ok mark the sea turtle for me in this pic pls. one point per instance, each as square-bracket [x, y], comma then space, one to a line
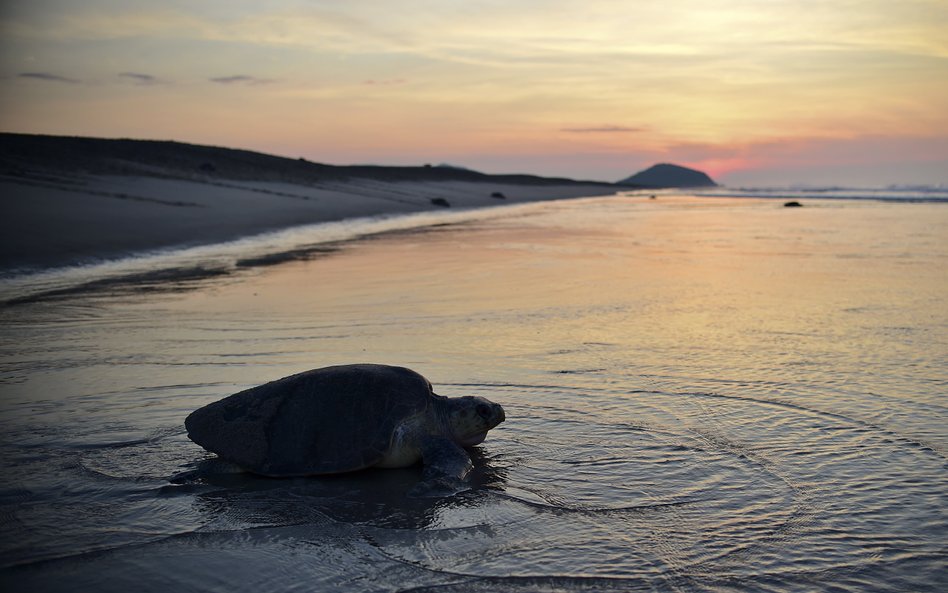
[345, 418]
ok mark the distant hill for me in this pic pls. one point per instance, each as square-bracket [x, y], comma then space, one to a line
[455, 167]
[665, 175]
[178, 160]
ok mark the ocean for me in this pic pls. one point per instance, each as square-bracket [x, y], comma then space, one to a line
[703, 393]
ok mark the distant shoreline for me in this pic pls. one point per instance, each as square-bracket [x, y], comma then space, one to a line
[68, 201]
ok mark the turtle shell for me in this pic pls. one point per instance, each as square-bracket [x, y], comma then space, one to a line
[324, 421]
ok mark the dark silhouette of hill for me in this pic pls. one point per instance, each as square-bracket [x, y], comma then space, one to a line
[170, 159]
[665, 176]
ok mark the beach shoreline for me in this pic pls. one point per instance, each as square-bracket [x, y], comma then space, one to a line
[72, 201]
[114, 217]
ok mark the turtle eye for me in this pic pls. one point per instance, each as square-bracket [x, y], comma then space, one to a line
[483, 411]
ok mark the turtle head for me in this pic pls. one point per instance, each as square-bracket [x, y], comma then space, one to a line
[469, 418]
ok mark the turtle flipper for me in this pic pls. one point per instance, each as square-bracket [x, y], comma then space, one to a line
[446, 467]
[444, 458]
[206, 468]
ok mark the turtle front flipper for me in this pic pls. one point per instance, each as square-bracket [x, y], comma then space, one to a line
[446, 468]
[444, 458]
[205, 469]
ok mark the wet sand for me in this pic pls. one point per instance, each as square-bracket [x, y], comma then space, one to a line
[703, 396]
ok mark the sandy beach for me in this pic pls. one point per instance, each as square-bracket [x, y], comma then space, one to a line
[67, 201]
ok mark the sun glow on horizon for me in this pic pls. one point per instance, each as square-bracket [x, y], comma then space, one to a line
[592, 90]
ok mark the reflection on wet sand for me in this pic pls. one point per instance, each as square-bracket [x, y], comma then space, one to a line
[700, 396]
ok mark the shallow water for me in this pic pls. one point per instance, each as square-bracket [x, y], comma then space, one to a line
[701, 395]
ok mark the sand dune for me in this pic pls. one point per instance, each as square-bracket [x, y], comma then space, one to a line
[70, 200]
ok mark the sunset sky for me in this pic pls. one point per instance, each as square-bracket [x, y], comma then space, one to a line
[751, 91]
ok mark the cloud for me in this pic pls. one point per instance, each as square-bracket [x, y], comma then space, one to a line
[240, 79]
[48, 77]
[386, 82]
[603, 130]
[140, 79]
